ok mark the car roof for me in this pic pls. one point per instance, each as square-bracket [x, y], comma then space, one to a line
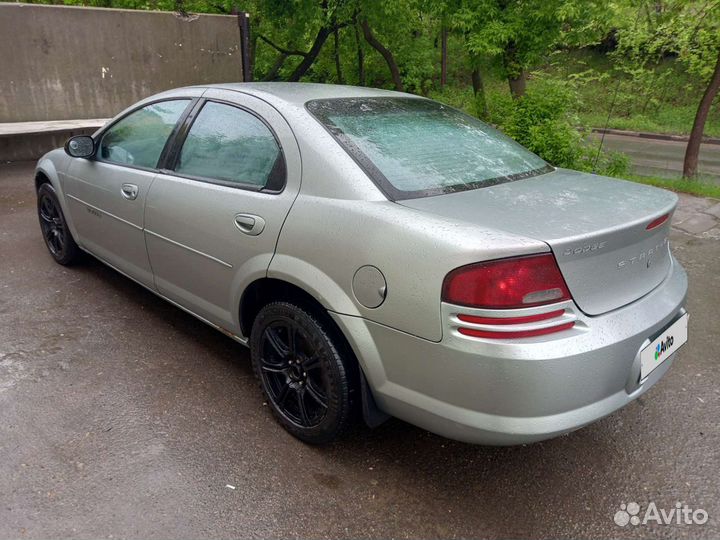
[295, 93]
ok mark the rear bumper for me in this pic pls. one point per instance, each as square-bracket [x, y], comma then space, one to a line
[520, 391]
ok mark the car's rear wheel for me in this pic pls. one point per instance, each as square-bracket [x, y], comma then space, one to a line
[306, 380]
[57, 235]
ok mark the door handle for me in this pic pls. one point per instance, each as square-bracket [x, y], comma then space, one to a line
[129, 191]
[249, 224]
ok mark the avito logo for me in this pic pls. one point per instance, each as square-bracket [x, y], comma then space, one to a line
[663, 346]
[682, 514]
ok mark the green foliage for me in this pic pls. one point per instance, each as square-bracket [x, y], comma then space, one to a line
[544, 121]
[523, 32]
[460, 97]
[664, 57]
[694, 187]
[663, 99]
[666, 118]
[686, 29]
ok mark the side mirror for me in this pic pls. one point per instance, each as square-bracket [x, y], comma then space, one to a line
[81, 146]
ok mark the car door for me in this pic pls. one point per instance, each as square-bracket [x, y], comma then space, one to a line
[107, 193]
[214, 216]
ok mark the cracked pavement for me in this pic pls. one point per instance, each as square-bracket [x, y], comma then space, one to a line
[698, 216]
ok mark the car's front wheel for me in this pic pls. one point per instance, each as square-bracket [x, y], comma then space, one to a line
[305, 378]
[55, 231]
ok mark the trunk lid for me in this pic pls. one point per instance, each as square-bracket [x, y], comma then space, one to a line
[595, 226]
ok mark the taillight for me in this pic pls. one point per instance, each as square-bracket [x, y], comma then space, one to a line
[512, 320]
[517, 282]
[655, 223]
[490, 334]
[501, 289]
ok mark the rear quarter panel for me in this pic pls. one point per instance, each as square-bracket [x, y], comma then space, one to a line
[326, 240]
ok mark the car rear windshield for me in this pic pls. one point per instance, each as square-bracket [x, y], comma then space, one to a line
[413, 147]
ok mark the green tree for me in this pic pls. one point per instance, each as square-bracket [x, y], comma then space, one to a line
[686, 30]
[521, 32]
[699, 49]
[298, 29]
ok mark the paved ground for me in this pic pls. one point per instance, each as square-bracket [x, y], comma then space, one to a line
[121, 416]
[650, 157]
[698, 216]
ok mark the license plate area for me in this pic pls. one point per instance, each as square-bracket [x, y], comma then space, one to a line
[665, 344]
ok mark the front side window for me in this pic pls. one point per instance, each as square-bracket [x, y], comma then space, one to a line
[416, 147]
[232, 146]
[139, 138]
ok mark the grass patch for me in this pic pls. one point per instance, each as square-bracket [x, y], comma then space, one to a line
[664, 102]
[672, 120]
[679, 185]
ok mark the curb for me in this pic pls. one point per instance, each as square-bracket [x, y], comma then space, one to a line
[654, 136]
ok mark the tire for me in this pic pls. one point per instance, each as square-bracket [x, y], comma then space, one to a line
[306, 381]
[57, 235]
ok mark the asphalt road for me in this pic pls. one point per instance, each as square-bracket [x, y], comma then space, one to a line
[650, 157]
[121, 416]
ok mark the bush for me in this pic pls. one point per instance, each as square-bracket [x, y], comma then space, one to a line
[542, 121]
[609, 163]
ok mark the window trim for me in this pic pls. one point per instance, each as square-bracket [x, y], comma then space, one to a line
[168, 167]
[168, 142]
[380, 180]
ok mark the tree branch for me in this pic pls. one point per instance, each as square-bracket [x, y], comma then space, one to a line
[310, 56]
[282, 50]
[384, 51]
[275, 69]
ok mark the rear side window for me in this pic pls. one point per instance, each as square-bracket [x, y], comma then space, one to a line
[232, 146]
[416, 147]
[139, 138]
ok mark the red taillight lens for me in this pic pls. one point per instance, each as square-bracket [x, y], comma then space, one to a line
[511, 320]
[655, 223]
[507, 283]
[472, 332]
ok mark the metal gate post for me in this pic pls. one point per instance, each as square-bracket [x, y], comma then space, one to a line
[244, 24]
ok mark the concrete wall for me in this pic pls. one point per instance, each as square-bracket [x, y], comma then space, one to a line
[62, 62]
[30, 146]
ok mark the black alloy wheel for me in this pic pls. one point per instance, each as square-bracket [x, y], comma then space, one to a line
[54, 228]
[304, 378]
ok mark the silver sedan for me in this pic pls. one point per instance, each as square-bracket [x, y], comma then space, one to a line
[381, 255]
